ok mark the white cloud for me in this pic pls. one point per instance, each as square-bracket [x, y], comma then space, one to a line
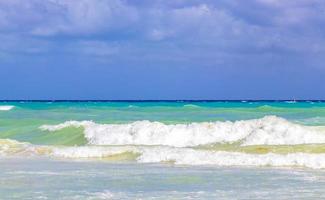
[299, 12]
[200, 21]
[197, 29]
[50, 17]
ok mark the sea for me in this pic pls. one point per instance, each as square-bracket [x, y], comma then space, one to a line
[162, 150]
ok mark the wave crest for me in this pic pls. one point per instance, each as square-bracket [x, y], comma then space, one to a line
[269, 130]
[163, 154]
[6, 108]
[181, 156]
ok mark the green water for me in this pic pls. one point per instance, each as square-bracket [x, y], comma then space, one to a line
[162, 150]
[23, 121]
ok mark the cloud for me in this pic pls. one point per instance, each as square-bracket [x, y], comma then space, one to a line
[185, 31]
[179, 22]
[52, 17]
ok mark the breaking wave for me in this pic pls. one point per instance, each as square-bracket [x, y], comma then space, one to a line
[188, 156]
[6, 108]
[269, 130]
[163, 154]
[222, 158]
[269, 141]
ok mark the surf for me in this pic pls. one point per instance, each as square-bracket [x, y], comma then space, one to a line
[269, 130]
[6, 108]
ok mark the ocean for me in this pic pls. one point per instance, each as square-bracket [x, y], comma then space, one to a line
[162, 150]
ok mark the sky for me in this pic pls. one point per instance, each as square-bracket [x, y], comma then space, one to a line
[162, 49]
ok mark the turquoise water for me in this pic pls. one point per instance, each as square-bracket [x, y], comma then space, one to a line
[165, 149]
[22, 123]
[164, 111]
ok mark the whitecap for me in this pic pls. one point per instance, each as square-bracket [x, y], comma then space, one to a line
[182, 156]
[6, 108]
[269, 130]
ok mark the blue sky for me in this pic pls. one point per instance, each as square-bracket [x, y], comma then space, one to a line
[162, 49]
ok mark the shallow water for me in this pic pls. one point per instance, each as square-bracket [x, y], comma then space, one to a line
[54, 179]
[159, 150]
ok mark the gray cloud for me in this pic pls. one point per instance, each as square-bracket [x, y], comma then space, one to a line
[220, 32]
[52, 17]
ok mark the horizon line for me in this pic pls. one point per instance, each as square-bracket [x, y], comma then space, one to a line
[157, 100]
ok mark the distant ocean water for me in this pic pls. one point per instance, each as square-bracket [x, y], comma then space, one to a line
[182, 140]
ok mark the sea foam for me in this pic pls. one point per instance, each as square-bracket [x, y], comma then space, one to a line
[6, 108]
[269, 130]
[163, 154]
[188, 156]
[185, 156]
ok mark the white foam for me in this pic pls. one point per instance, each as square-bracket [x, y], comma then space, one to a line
[75, 124]
[102, 195]
[184, 156]
[6, 108]
[91, 151]
[270, 130]
[293, 101]
[158, 154]
[191, 105]
[12, 147]
[188, 156]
